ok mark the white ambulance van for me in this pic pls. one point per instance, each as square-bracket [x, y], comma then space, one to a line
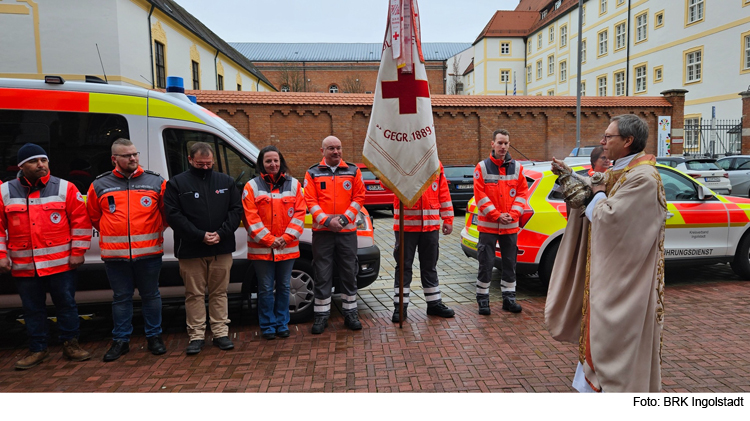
[76, 123]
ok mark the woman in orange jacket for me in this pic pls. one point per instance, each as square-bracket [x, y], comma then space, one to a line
[275, 217]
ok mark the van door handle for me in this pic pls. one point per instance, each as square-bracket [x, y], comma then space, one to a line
[669, 215]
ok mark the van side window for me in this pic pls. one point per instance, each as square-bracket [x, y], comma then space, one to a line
[78, 144]
[677, 187]
[177, 144]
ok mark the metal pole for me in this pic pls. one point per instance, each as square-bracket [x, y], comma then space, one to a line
[401, 264]
[578, 77]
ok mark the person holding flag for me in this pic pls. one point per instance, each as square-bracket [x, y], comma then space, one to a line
[400, 146]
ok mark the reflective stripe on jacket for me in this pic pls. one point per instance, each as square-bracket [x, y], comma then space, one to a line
[434, 205]
[273, 211]
[499, 187]
[46, 225]
[129, 214]
[328, 194]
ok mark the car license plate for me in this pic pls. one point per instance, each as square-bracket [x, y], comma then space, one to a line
[464, 186]
[712, 179]
[375, 187]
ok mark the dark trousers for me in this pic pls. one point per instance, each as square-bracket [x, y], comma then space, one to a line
[486, 258]
[33, 292]
[428, 245]
[124, 276]
[339, 249]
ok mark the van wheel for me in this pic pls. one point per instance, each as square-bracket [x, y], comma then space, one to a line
[301, 294]
[547, 262]
[741, 263]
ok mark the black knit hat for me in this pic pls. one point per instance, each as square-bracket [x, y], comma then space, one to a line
[30, 151]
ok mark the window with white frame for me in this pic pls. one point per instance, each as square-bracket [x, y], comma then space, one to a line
[528, 73]
[539, 41]
[658, 74]
[695, 11]
[603, 42]
[583, 51]
[747, 52]
[544, 13]
[539, 69]
[620, 2]
[333, 89]
[640, 79]
[563, 71]
[551, 92]
[659, 20]
[551, 34]
[619, 83]
[563, 36]
[529, 46]
[693, 62]
[692, 133]
[602, 7]
[551, 65]
[504, 76]
[284, 88]
[583, 87]
[620, 32]
[505, 48]
[641, 27]
[583, 18]
[602, 85]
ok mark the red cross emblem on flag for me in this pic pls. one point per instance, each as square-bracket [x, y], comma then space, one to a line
[407, 89]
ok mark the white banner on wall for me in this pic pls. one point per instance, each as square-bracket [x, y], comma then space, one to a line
[665, 136]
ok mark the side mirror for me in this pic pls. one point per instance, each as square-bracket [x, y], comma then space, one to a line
[704, 193]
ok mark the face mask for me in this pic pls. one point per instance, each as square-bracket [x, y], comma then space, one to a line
[200, 172]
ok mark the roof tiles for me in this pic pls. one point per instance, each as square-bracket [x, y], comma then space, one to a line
[275, 52]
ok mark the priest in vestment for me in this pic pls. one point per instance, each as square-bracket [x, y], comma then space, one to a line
[606, 291]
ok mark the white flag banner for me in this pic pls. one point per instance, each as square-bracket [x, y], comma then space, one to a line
[400, 147]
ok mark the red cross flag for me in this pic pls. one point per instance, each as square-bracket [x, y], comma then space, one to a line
[400, 146]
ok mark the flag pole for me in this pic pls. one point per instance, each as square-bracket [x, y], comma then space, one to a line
[400, 264]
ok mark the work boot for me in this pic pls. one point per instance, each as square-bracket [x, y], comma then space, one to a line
[33, 360]
[321, 321]
[224, 343]
[194, 347]
[510, 304]
[440, 309]
[115, 351]
[351, 321]
[484, 307]
[395, 318]
[156, 345]
[74, 352]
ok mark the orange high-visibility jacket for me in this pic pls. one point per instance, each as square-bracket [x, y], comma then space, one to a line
[46, 224]
[328, 194]
[499, 187]
[434, 205]
[271, 211]
[129, 214]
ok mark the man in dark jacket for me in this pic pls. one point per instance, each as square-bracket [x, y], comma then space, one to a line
[204, 209]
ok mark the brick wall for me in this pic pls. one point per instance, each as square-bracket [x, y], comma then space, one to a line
[541, 127]
[322, 75]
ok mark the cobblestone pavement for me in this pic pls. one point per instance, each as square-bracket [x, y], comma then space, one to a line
[706, 344]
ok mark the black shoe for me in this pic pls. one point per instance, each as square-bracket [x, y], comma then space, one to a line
[283, 334]
[395, 318]
[441, 310]
[195, 347]
[156, 345]
[510, 304]
[320, 324]
[269, 336]
[351, 321]
[223, 343]
[117, 349]
[484, 307]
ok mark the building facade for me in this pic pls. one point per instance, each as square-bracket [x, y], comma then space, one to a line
[340, 67]
[132, 42]
[629, 48]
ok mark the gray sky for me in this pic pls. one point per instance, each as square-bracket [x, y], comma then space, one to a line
[338, 20]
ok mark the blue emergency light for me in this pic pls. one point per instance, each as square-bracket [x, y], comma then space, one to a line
[175, 84]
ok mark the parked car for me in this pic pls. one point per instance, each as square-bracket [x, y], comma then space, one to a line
[580, 155]
[377, 195]
[460, 183]
[702, 226]
[76, 123]
[738, 168]
[704, 170]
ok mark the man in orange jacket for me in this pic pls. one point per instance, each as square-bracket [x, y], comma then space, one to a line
[48, 235]
[126, 205]
[334, 193]
[500, 191]
[421, 225]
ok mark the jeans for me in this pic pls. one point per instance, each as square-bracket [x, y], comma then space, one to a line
[124, 276]
[62, 289]
[273, 308]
